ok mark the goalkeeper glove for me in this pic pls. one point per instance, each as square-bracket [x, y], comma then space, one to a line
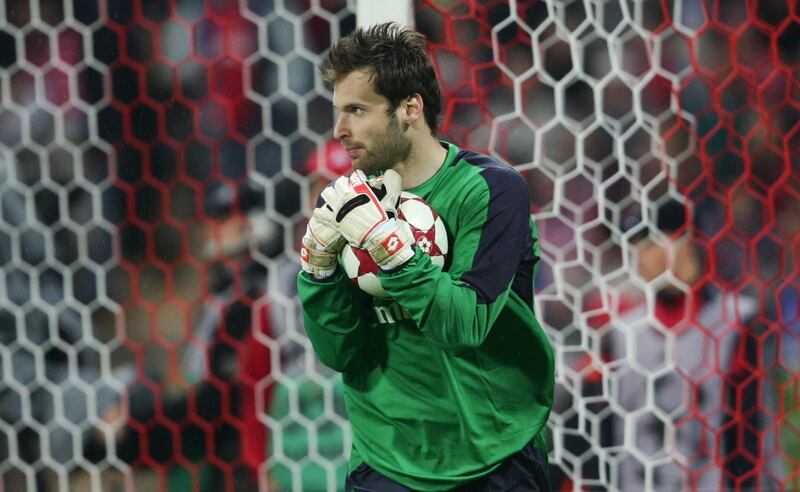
[321, 244]
[363, 218]
[388, 188]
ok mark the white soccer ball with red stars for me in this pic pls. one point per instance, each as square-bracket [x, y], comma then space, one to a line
[429, 234]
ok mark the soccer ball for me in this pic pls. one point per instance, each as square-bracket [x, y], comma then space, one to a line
[429, 234]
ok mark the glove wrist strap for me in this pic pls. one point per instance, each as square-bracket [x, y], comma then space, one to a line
[320, 264]
[390, 245]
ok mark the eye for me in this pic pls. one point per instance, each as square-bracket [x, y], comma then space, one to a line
[357, 111]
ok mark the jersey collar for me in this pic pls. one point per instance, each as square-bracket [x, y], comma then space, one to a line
[426, 187]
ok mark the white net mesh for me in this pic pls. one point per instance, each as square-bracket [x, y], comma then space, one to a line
[158, 161]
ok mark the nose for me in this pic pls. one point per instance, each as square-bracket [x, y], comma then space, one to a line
[340, 130]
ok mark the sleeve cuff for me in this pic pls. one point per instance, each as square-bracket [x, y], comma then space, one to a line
[398, 269]
[330, 279]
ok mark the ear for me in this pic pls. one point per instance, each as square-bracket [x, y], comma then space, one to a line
[412, 109]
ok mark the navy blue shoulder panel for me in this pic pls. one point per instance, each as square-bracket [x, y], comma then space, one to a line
[505, 249]
[480, 160]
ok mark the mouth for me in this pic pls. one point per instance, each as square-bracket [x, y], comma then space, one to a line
[353, 151]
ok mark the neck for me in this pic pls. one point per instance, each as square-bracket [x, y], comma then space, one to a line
[426, 157]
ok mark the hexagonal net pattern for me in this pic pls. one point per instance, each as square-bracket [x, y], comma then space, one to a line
[660, 142]
[158, 161]
[155, 168]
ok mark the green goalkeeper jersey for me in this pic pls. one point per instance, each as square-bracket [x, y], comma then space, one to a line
[454, 373]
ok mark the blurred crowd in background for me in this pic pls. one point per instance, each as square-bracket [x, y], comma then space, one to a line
[158, 161]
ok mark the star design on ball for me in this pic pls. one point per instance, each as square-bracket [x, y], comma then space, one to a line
[424, 244]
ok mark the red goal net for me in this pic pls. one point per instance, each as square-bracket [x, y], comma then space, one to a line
[158, 161]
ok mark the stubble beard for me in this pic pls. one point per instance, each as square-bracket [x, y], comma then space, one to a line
[392, 147]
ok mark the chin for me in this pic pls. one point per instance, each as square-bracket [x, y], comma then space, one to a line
[366, 167]
[359, 167]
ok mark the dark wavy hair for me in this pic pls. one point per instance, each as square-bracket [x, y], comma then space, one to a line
[397, 60]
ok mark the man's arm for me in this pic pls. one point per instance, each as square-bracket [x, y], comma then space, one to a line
[332, 307]
[334, 320]
[456, 309]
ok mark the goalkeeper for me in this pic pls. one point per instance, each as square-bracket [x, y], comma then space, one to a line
[454, 391]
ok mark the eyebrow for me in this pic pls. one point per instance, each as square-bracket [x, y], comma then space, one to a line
[349, 107]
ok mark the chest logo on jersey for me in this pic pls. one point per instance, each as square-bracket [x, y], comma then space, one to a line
[390, 313]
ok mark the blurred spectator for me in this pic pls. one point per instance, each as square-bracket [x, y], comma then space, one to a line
[224, 360]
[676, 405]
[685, 359]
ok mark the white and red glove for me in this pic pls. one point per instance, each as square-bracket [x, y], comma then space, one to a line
[321, 244]
[368, 222]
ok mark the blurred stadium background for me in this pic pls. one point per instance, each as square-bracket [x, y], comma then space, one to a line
[157, 164]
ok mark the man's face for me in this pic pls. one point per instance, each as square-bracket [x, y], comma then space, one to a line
[373, 140]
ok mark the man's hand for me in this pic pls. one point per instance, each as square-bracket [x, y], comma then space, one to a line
[357, 211]
[388, 188]
[363, 218]
[321, 244]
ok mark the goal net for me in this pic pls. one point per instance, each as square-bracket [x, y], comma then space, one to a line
[158, 161]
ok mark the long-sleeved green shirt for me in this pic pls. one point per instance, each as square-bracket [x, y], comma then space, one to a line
[454, 373]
